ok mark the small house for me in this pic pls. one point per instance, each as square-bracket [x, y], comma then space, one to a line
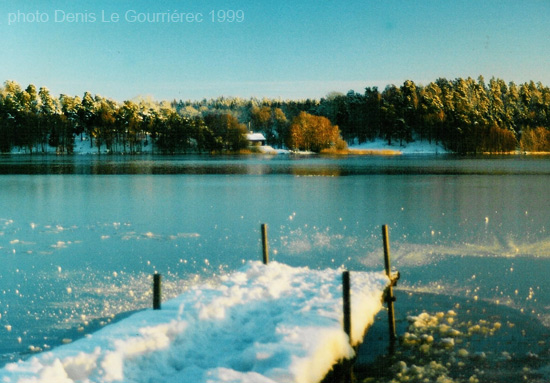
[255, 139]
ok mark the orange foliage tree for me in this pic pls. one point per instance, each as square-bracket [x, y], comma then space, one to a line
[535, 140]
[313, 133]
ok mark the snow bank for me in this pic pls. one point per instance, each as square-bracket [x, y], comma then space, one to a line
[259, 324]
[415, 147]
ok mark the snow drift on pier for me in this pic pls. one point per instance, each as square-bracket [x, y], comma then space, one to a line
[259, 324]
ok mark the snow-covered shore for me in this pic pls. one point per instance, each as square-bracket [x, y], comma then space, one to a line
[260, 324]
[415, 147]
[82, 146]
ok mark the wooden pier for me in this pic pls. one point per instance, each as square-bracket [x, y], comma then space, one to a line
[342, 372]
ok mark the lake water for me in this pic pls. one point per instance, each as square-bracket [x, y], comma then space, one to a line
[80, 236]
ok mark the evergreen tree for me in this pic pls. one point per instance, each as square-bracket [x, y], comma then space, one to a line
[129, 127]
[87, 116]
[104, 128]
[432, 114]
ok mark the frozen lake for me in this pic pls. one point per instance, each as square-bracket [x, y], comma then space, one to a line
[80, 236]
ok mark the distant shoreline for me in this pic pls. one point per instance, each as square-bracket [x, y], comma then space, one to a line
[374, 148]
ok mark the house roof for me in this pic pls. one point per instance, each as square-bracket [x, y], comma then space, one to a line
[255, 136]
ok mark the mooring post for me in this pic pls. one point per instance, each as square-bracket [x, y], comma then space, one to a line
[389, 296]
[264, 244]
[156, 292]
[347, 304]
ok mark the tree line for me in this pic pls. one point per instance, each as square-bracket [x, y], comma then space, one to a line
[463, 115]
[33, 120]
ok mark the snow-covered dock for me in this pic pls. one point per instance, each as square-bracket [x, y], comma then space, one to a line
[262, 323]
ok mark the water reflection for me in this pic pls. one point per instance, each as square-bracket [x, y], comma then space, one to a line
[281, 164]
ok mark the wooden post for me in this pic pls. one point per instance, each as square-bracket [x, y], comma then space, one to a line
[156, 292]
[264, 244]
[347, 304]
[389, 296]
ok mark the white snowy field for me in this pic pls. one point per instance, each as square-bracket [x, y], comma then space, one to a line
[259, 324]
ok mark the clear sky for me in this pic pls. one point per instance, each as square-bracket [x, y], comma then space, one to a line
[276, 49]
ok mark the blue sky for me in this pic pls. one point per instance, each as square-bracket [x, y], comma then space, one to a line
[288, 49]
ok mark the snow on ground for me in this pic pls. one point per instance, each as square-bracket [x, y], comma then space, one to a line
[260, 324]
[81, 146]
[415, 147]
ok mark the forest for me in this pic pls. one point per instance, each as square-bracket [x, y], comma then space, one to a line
[463, 115]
